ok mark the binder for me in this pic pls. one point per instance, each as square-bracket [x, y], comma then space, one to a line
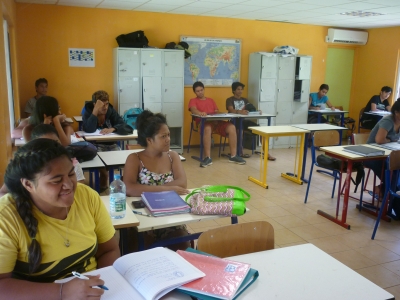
[364, 150]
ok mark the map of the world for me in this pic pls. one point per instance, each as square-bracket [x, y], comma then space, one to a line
[213, 61]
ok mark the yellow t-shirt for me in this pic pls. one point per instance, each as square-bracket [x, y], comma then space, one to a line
[87, 225]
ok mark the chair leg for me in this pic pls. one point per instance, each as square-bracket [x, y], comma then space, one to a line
[378, 219]
[335, 173]
[309, 183]
[361, 193]
[366, 180]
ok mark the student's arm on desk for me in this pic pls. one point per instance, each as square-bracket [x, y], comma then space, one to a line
[195, 111]
[312, 107]
[135, 189]
[232, 110]
[381, 135]
[329, 104]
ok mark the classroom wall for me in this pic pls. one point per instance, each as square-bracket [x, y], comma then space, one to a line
[45, 32]
[8, 12]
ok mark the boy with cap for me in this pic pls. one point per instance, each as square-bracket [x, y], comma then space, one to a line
[236, 104]
[203, 106]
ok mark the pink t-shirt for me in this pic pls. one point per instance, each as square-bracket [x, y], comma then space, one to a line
[208, 105]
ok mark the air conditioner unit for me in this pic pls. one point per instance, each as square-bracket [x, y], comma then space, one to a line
[342, 36]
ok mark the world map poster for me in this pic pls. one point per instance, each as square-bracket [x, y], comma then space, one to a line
[213, 61]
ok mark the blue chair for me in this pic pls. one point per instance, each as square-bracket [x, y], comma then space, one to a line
[321, 139]
[392, 172]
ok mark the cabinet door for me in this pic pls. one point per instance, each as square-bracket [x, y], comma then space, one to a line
[286, 67]
[173, 113]
[129, 93]
[173, 63]
[172, 91]
[152, 89]
[305, 91]
[151, 62]
[267, 108]
[304, 67]
[129, 62]
[267, 90]
[283, 113]
[154, 107]
[269, 66]
[300, 113]
[285, 90]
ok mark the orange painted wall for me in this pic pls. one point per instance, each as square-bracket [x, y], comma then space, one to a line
[376, 66]
[8, 12]
[45, 32]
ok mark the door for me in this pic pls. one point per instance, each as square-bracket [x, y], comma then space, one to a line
[267, 90]
[173, 63]
[269, 66]
[286, 67]
[151, 62]
[128, 62]
[129, 93]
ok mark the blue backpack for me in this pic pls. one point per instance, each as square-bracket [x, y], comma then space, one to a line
[130, 116]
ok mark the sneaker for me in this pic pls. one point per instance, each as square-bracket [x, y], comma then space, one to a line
[206, 162]
[237, 159]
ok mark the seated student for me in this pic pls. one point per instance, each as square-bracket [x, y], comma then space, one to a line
[100, 114]
[385, 131]
[50, 225]
[236, 104]
[47, 111]
[41, 90]
[155, 169]
[46, 131]
[319, 101]
[376, 103]
[203, 106]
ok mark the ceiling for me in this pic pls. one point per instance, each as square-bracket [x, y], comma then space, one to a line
[382, 13]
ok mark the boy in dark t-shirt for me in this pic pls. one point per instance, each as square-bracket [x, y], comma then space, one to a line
[376, 103]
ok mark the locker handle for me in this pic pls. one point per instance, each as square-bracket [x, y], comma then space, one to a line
[165, 90]
[120, 90]
[279, 90]
[261, 90]
[122, 70]
[144, 64]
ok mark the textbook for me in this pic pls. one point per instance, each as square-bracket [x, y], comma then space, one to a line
[364, 150]
[145, 275]
[225, 279]
[164, 203]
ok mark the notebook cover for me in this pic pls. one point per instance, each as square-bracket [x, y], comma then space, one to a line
[363, 150]
[223, 277]
[164, 201]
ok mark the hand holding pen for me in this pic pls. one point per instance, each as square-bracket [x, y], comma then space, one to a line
[81, 289]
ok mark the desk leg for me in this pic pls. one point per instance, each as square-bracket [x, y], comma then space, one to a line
[296, 178]
[140, 236]
[200, 158]
[234, 220]
[123, 241]
[111, 174]
[263, 167]
[240, 137]
[341, 124]
[342, 221]
[319, 118]
[97, 180]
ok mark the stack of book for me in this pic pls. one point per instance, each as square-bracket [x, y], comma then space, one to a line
[165, 203]
[364, 150]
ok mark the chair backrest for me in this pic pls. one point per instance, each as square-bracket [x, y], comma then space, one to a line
[326, 138]
[237, 239]
[394, 160]
[133, 147]
[361, 113]
[360, 138]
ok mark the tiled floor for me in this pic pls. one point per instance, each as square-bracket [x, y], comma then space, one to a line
[282, 204]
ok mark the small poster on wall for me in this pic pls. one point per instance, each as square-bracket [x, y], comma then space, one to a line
[81, 57]
[213, 61]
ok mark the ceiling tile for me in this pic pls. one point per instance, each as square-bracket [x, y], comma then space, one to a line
[126, 5]
[85, 3]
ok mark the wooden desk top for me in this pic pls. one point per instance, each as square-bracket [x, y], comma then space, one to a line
[277, 130]
[338, 150]
[111, 137]
[78, 118]
[130, 219]
[319, 127]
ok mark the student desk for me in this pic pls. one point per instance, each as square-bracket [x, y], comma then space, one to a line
[19, 142]
[93, 166]
[215, 117]
[117, 159]
[337, 152]
[271, 131]
[79, 120]
[303, 272]
[150, 223]
[312, 128]
[330, 112]
[110, 137]
[130, 220]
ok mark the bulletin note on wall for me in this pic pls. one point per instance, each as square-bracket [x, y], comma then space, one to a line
[81, 57]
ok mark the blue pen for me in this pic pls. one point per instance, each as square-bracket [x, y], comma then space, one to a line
[140, 213]
[80, 276]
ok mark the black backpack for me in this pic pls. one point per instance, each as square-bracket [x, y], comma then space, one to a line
[135, 39]
[82, 151]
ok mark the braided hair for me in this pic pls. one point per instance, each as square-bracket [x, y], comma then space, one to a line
[28, 161]
[148, 125]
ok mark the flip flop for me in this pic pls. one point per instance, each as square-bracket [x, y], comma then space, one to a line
[376, 196]
[245, 155]
[271, 158]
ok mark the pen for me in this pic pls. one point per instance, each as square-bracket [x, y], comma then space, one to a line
[140, 213]
[80, 276]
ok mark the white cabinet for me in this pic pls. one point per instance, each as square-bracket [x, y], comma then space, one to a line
[280, 85]
[151, 79]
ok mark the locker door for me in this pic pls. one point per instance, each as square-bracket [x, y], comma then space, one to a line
[283, 113]
[151, 62]
[154, 107]
[305, 91]
[151, 89]
[172, 90]
[267, 90]
[269, 66]
[129, 93]
[304, 67]
[286, 67]
[173, 63]
[267, 108]
[174, 114]
[129, 63]
[285, 90]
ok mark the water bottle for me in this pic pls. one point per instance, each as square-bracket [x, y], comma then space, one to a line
[117, 198]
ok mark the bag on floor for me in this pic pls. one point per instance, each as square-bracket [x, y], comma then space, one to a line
[82, 151]
[218, 200]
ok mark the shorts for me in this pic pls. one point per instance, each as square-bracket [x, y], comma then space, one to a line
[219, 127]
